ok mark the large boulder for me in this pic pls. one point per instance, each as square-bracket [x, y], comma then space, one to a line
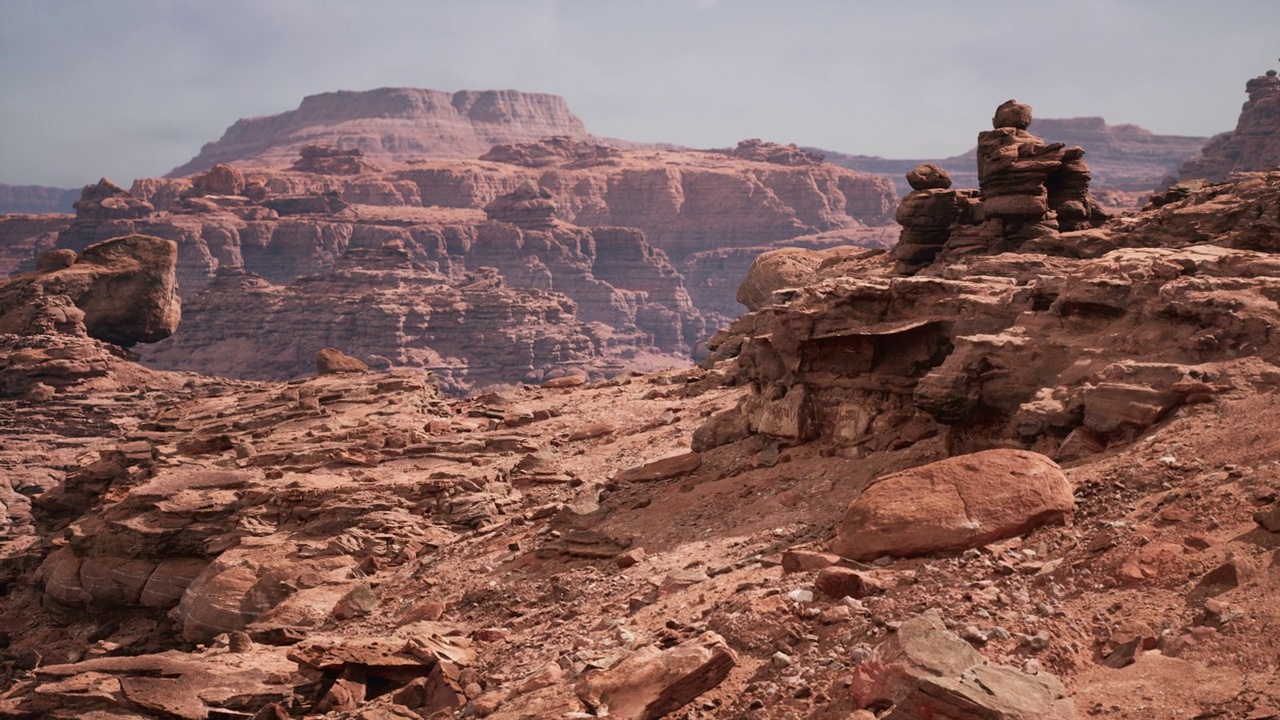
[125, 289]
[955, 504]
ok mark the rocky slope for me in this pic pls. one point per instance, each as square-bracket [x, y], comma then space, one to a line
[1124, 158]
[35, 199]
[1255, 143]
[851, 511]
[392, 125]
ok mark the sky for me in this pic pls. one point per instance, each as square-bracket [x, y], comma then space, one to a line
[133, 88]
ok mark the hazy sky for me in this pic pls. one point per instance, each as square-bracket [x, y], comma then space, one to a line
[133, 88]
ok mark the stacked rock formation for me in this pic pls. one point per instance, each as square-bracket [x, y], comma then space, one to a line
[927, 214]
[1028, 190]
[1254, 146]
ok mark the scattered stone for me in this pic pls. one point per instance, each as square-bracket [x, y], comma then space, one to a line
[631, 557]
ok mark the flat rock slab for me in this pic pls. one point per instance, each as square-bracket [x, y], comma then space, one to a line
[955, 504]
[663, 468]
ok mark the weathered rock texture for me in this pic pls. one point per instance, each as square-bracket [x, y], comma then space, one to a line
[924, 671]
[1255, 143]
[955, 504]
[359, 545]
[379, 306]
[392, 124]
[122, 291]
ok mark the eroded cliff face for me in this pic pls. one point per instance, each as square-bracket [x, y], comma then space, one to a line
[392, 125]
[1073, 344]
[614, 234]
[1255, 143]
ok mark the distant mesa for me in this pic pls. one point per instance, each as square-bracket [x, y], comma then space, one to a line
[1254, 146]
[392, 125]
[36, 199]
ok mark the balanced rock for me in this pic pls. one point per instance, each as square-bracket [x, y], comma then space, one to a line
[955, 504]
[928, 177]
[925, 671]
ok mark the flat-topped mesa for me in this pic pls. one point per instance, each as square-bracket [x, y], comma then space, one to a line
[1254, 146]
[1028, 189]
[392, 125]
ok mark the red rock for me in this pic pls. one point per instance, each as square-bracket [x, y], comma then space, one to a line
[926, 671]
[954, 504]
[594, 430]
[1252, 146]
[841, 582]
[794, 561]
[663, 468]
[565, 381]
[650, 683]
[630, 558]
[332, 360]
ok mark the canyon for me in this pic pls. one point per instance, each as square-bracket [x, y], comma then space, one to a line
[1020, 477]
[627, 250]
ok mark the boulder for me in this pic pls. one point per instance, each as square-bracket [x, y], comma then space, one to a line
[925, 671]
[331, 360]
[651, 682]
[955, 504]
[125, 291]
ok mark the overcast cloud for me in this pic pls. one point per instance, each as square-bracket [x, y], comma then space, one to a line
[133, 88]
